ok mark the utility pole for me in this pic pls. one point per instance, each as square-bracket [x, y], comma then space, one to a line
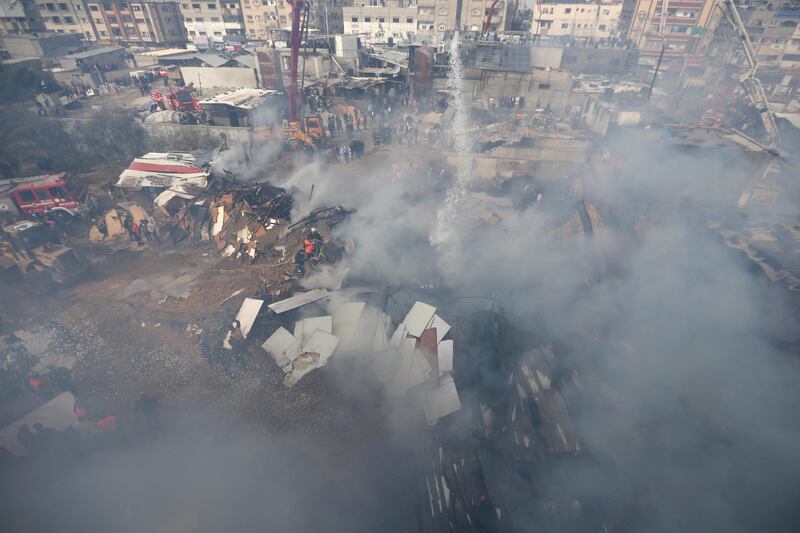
[655, 74]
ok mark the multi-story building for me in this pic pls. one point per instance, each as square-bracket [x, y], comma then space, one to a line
[685, 29]
[142, 22]
[772, 26]
[263, 16]
[329, 16]
[379, 22]
[577, 19]
[213, 19]
[20, 16]
[67, 16]
[435, 17]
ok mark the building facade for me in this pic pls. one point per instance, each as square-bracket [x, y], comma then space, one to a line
[379, 22]
[262, 16]
[329, 16]
[687, 29]
[67, 16]
[773, 30]
[144, 22]
[213, 20]
[577, 19]
[20, 16]
[435, 17]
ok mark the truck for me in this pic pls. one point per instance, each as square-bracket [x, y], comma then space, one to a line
[176, 100]
[39, 195]
[28, 247]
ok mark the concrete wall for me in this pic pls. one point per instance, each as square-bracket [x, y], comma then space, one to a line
[49, 46]
[546, 56]
[539, 88]
[115, 58]
[206, 78]
[176, 131]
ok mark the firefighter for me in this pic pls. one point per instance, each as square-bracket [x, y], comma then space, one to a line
[300, 263]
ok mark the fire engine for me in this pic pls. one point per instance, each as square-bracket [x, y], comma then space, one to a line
[42, 194]
[176, 100]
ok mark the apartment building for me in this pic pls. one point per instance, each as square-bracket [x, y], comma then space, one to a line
[262, 16]
[67, 16]
[577, 19]
[215, 20]
[686, 29]
[773, 30]
[379, 22]
[329, 16]
[435, 17]
[20, 16]
[144, 22]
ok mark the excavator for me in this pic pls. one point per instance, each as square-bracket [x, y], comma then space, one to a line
[751, 84]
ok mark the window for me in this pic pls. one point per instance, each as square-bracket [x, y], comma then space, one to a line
[198, 19]
[442, 27]
[192, 32]
[27, 196]
[249, 18]
[57, 20]
[102, 34]
[476, 12]
[606, 12]
[409, 20]
[381, 19]
[98, 21]
[567, 10]
[63, 7]
[564, 25]
[443, 11]
[354, 19]
[545, 86]
[188, 19]
[94, 8]
[602, 27]
[57, 192]
[136, 8]
[231, 6]
[69, 20]
[367, 19]
[195, 6]
[214, 19]
[217, 33]
[212, 6]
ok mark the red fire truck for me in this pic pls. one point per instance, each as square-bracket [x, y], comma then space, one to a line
[40, 194]
[176, 100]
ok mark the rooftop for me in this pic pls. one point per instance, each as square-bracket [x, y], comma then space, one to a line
[241, 98]
[94, 51]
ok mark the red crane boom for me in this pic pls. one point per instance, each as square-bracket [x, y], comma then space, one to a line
[299, 24]
[488, 21]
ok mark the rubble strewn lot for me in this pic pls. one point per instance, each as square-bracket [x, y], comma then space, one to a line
[434, 330]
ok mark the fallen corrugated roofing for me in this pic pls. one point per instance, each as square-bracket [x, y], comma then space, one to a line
[174, 171]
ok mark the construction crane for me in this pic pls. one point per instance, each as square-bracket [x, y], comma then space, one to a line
[488, 21]
[751, 84]
[303, 132]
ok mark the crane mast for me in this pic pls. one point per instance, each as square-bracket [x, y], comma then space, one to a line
[300, 10]
[750, 82]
